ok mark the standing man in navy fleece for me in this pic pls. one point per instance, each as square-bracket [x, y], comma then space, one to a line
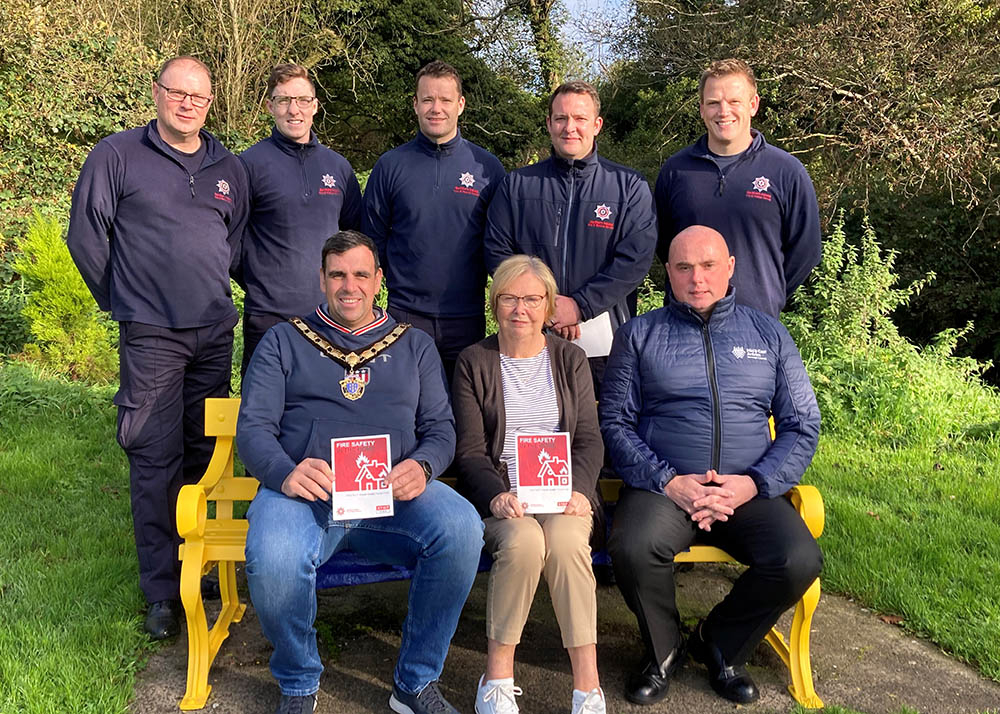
[301, 193]
[349, 369]
[756, 195]
[155, 225]
[591, 220]
[425, 207]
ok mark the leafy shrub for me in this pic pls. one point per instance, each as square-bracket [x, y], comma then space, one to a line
[870, 381]
[13, 327]
[70, 336]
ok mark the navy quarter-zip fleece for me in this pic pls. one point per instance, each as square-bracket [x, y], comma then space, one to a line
[154, 243]
[425, 208]
[300, 195]
[763, 204]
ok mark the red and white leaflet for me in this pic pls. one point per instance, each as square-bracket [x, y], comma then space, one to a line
[361, 465]
[544, 473]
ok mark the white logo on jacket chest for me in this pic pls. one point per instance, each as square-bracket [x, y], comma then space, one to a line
[749, 353]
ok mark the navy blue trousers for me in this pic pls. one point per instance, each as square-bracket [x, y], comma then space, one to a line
[166, 374]
[254, 327]
[451, 334]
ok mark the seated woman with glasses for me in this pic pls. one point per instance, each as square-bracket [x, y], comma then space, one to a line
[524, 380]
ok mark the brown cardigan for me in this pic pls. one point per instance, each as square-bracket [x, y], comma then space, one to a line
[480, 420]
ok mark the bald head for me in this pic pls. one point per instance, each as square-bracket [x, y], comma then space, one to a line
[699, 267]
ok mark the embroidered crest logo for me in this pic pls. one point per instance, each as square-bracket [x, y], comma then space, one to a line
[329, 181]
[222, 186]
[602, 218]
[353, 384]
[759, 188]
[739, 352]
[466, 181]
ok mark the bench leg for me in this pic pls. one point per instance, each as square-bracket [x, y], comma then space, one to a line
[227, 588]
[799, 664]
[199, 658]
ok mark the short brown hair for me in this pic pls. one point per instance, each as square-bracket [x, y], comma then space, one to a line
[513, 268]
[342, 241]
[724, 68]
[183, 58]
[284, 72]
[437, 68]
[577, 87]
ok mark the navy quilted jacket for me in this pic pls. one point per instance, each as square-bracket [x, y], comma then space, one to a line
[682, 395]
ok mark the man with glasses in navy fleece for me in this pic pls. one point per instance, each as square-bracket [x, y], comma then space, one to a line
[155, 225]
[301, 193]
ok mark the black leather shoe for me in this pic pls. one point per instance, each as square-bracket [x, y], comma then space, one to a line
[163, 619]
[732, 683]
[651, 684]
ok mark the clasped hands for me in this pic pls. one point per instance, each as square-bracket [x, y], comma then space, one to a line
[313, 479]
[508, 505]
[566, 320]
[711, 496]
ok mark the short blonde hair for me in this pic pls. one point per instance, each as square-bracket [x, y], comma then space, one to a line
[724, 68]
[513, 268]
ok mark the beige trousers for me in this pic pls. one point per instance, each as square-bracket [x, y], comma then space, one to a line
[554, 545]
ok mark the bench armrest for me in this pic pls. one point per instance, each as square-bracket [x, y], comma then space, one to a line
[809, 503]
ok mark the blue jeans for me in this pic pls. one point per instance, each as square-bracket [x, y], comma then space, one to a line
[438, 534]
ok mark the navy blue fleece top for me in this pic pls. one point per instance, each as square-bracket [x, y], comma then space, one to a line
[425, 207]
[763, 204]
[153, 242]
[293, 404]
[300, 195]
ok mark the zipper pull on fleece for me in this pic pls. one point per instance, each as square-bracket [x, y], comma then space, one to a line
[191, 184]
[722, 182]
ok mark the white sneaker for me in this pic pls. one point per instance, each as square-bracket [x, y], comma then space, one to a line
[591, 702]
[497, 696]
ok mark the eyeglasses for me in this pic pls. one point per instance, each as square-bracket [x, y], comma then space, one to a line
[176, 95]
[531, 302]
[301, 102]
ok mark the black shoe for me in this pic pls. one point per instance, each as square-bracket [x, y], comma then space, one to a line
[210, 588]
[163, 619]
[651, 684]
[731, 682]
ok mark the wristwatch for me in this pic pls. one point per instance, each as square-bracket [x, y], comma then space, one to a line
[426, 467]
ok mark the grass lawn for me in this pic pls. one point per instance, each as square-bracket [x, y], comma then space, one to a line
[70, 606]
[915, 532]
[909, 532]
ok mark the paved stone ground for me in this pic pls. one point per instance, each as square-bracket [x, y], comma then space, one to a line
[858, 661]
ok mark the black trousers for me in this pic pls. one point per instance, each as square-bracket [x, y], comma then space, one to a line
[767, 535]
[166, 375]
[254, 327]
[451, 334]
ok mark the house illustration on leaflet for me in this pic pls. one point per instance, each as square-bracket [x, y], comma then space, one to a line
[371, 474]
[554, 471]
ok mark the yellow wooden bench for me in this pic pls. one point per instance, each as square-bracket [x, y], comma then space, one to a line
[220, 541]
